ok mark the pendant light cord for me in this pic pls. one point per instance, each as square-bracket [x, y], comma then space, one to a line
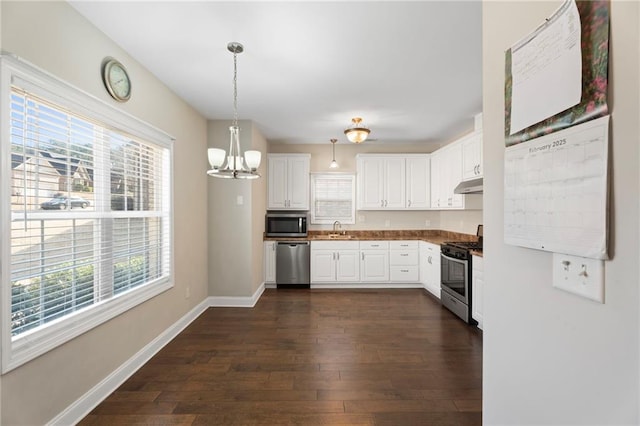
[235, 89]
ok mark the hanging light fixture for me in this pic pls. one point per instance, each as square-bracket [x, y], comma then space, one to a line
[334, 164]
[236, 166]
[357, 132]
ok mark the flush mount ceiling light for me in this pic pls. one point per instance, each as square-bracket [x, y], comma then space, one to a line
[357, 132]
[236, 166]
[334, 164]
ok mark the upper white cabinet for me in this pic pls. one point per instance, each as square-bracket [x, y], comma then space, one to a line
[418, 189]
[288, 181]
[393, 182]
[472, 156]
[446, 174]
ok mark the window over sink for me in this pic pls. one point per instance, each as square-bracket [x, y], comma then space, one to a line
[333, 198]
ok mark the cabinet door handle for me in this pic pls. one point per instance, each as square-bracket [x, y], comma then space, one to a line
[429, 260]
[375, 245]
[333, 255]
[404, 270]
[338, 255]
[381, 203]
[362, 256]
[404, 254]
[409, 204]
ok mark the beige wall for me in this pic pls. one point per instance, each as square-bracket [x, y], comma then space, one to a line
[56, 38]
[236, 230]
[321, 154]
[258, 207]
[551, 357]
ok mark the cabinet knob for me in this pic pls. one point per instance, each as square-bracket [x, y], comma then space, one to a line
[362, 256]
[409, 203]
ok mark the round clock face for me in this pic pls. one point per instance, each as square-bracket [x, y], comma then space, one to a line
[117, 81]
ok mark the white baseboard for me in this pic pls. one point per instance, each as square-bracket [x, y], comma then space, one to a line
[236, 302]
[83, 406]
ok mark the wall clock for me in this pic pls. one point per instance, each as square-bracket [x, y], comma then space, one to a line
[116, 80]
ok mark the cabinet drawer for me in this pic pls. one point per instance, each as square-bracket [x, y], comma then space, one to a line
[403, 257]
[335, 245]
[374, 245]
[403, 245]
[404, 273]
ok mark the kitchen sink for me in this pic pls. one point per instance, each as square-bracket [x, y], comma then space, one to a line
[333, 237]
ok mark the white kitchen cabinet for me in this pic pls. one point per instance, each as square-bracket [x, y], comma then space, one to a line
[381, 182]
[472, 156]
[288, 181]
[418, 175]
[269, 262]
[404, 261]
[446, 174]
[374, 261]
[430, 267]
[477, 289]
[335, 261]
[393, 182]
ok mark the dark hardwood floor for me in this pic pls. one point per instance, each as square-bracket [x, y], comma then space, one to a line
[311, 357]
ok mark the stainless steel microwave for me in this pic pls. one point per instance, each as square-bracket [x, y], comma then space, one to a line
[286, 224]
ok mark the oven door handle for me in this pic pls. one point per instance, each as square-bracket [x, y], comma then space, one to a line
[453, 259]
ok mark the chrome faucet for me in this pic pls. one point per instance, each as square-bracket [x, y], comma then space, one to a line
[338, 224]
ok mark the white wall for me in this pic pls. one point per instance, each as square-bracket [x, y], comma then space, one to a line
[53, 36]
[552, 358]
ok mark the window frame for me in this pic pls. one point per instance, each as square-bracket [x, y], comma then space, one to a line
[28, 346]
[333, 175]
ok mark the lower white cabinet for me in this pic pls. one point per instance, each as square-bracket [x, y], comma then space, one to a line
[374, 261]
[404, 264]
[335, 261]
[430, 267]
[477, 289]
[270, 262]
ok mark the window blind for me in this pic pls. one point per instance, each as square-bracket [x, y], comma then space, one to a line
[90, 215]
[332, 198]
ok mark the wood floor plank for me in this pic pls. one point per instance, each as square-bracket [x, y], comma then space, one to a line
[311, 357]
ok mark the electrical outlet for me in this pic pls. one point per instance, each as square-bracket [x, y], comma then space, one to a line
[387, 223]
[360, 218]
[427, 223]
[579, 275]
[187, 292]
[239, 200]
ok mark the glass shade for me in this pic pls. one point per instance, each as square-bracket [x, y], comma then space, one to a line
[216, 157]
[237, 165]
[333, 165]
[253, 159]
[357, 135]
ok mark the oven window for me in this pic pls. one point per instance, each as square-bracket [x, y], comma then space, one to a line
[454, 275]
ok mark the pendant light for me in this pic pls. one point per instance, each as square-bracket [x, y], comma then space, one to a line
[357, 132]
[334, 164]
[236, 166]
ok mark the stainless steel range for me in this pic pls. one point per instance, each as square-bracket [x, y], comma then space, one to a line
[455, 281]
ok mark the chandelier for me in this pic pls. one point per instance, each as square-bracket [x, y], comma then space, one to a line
[233, 165]
[357, 132]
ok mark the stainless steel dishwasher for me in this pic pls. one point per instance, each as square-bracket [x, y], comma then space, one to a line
[292, 264]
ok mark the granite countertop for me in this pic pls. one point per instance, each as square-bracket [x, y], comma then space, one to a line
[435, 236]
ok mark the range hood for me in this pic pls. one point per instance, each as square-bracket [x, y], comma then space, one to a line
[473, 186]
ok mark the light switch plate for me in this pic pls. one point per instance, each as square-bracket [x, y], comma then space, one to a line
[579, 275]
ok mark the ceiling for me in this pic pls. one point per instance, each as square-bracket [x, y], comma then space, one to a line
[412, 70]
